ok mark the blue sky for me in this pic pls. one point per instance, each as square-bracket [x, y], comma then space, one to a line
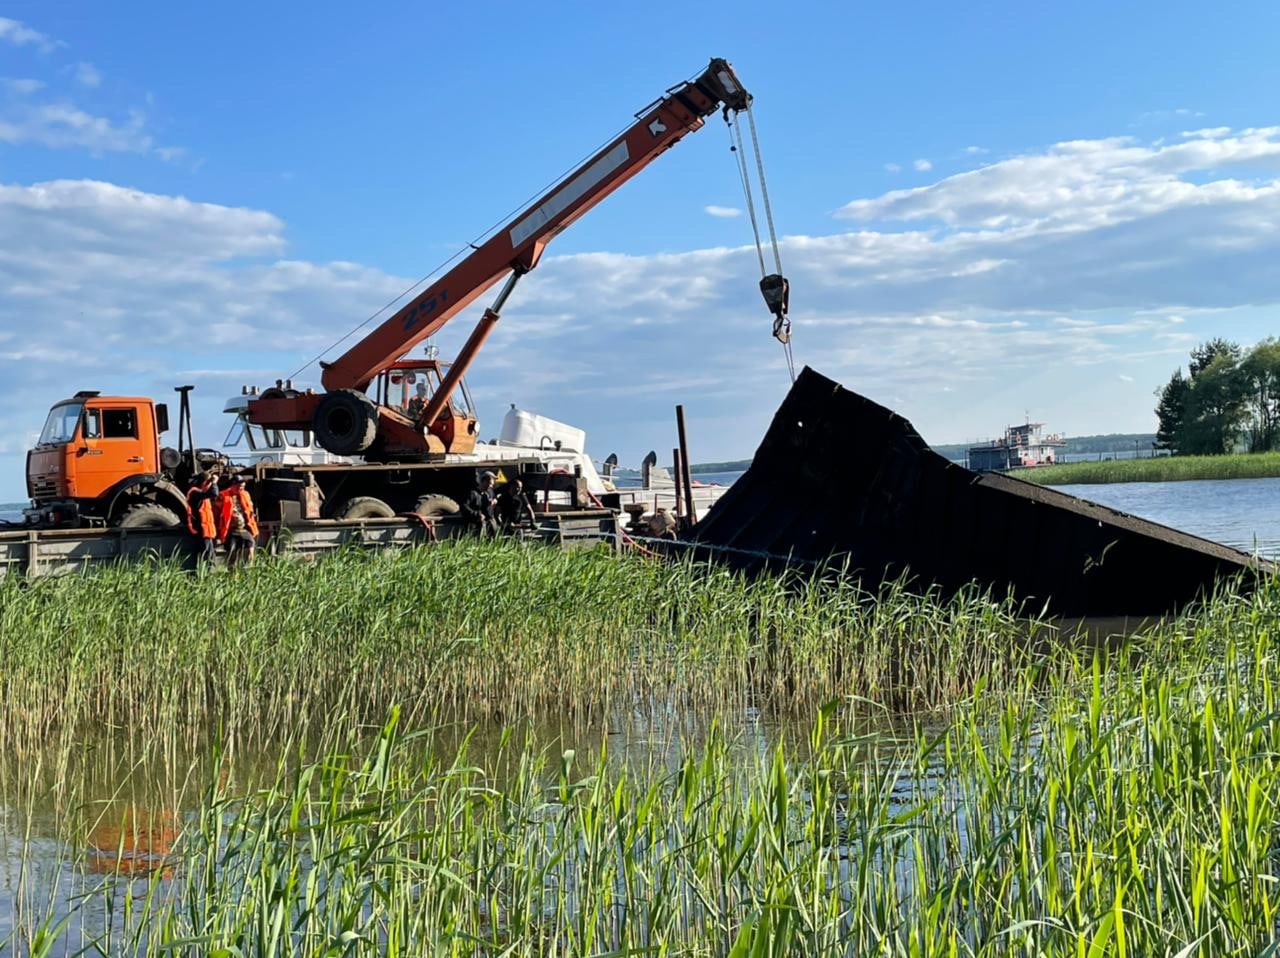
[988, 209]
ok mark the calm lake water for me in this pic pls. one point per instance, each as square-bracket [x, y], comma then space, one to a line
[1244, 513]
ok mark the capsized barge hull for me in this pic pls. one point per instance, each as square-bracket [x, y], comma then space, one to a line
[841, 478]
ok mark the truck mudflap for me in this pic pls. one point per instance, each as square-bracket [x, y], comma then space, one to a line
[840, 480]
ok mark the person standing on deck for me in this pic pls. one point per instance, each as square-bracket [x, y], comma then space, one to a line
[200, 519]
[237, 523]
[478, 509]
[514, 507]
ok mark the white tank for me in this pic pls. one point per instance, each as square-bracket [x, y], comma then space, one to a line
[520, 428]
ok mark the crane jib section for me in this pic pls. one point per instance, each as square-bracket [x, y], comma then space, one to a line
[574, 190]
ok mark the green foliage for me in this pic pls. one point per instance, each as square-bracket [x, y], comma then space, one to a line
[1228, 395]
[1169, 410]
[1215, 407]
[1261, 372]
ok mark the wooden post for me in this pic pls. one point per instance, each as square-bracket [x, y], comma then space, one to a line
[677, 472]
[687, 476]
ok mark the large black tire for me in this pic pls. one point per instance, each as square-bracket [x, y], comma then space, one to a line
[346, 422]
[430, 506]
[149, 515]
[364, 507]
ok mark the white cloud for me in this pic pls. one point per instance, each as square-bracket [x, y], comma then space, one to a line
[1085, 184]
[922, 166]
[87, 75]
[893, 167]
[1125, 379]
[975, 150]
[21, 35]
[722, 211]
[60, 124]
[1047, 264]
[21, 86]
[56, 121]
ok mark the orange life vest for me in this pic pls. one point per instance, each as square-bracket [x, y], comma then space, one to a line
[203, 512]
[226, 509]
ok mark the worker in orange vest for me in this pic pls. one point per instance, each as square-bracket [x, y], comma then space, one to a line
[200, 499]
[237, 522]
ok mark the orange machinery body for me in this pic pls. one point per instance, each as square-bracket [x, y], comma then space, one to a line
[400, 434]
[107, 441]
[510, 252]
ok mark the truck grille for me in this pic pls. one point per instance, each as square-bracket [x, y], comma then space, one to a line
[44, 487]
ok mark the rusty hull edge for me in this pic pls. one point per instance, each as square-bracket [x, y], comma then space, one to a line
[841, 477]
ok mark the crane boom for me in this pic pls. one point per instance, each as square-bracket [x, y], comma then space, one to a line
[519, 245]
[510, 252]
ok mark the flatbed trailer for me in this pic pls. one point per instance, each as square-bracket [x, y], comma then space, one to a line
[34, 553]
[289, 493]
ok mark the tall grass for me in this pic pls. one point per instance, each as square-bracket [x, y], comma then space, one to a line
[1068, 800]
[1128, 808]
[1260, 465]
[470, 629]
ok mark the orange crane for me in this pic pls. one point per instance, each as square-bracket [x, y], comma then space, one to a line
[99, 461]
[348, 421]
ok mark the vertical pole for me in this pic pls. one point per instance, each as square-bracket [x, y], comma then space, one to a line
[677, 472]
[687, 476]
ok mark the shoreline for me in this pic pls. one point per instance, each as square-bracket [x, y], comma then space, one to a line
[1240, 465]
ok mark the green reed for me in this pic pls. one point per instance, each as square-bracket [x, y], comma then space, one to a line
[1125, 809]
[473, 629]
[1242, 465]
[1119, 799]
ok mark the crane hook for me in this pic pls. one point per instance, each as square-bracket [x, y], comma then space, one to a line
[777, 296]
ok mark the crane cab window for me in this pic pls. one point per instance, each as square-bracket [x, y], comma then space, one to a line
[258, 438]
[110, 424]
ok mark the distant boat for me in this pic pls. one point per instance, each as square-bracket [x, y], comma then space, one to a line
[1021, 447]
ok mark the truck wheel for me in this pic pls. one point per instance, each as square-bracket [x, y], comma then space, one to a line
[148, 515]
[346, 422]
[364, 507]
[431, 506]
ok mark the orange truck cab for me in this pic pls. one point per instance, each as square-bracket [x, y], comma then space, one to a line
[98, 462]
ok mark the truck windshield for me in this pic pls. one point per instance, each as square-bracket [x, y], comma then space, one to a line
[61, 424]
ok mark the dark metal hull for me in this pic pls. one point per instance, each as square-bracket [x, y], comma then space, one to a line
[839, 477]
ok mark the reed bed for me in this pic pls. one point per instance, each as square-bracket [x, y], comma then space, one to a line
[1259, 465]
[1035, 796]
[1124, 807]
[473, 630]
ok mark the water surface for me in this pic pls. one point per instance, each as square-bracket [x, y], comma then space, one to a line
[1244, 513]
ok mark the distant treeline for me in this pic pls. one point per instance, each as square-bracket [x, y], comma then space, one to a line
[736, 465]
